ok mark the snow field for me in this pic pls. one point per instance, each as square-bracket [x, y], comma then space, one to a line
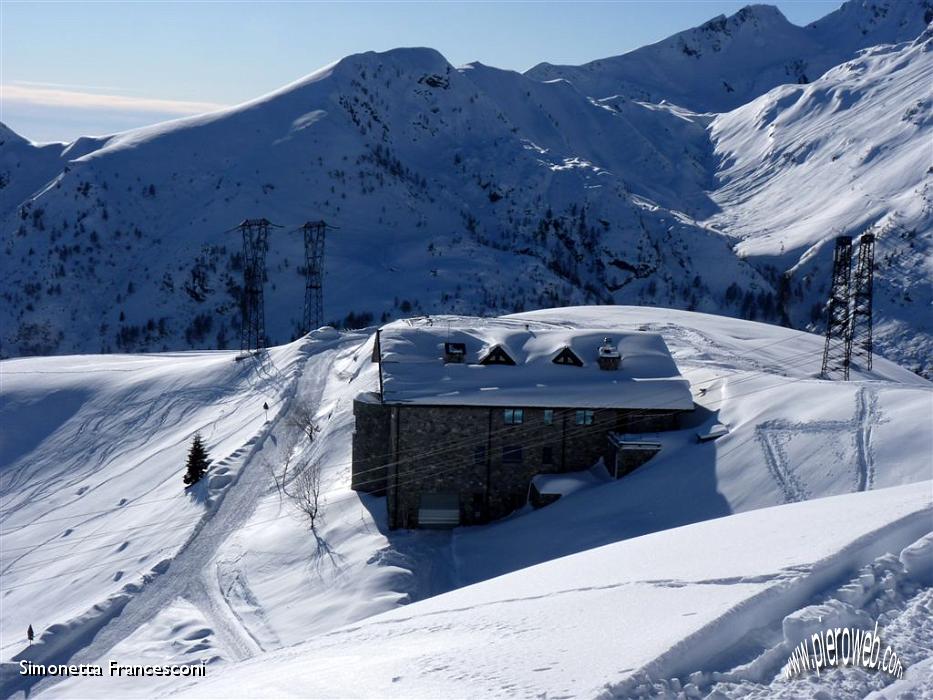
[586, 624]
[253, 579]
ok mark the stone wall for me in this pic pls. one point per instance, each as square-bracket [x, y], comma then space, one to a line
[371, 446]
[627, 461]
[437, 454]
[473, 452]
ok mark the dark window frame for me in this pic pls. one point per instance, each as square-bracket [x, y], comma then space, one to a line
[585, 416]
[454, 352]
[513, 416]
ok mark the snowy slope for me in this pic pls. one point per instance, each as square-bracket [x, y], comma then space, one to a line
[602, 622]
[93, 450]
[848, 153]
[729, 61]
[251, 578]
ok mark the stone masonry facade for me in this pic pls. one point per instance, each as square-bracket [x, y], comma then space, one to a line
[485, 455]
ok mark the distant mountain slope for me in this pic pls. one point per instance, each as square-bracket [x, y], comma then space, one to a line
[848, 153]
[728, 61]
[458, 190]
[478, 190]
[25, 168]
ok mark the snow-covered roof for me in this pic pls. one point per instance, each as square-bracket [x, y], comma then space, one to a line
[570, 482]
[414, 370]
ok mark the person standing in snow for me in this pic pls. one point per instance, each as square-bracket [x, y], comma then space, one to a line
[265, 407]
[30, 635]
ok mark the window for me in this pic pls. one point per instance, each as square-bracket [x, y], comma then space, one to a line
[547, 455]
[479, 455]
[548, 416]
[584, 417]
[514, 416]
[454, 352]
[512, 454]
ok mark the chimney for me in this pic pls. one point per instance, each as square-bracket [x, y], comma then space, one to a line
[609, 357]
[454, 353]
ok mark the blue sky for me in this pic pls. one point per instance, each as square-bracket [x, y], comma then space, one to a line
[76, 68]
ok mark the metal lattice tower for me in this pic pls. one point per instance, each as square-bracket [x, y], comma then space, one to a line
[860, 334]
[313, 232]
[252, 307]
[838, 349]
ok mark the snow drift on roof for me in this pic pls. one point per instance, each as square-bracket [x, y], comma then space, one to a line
[414, 370]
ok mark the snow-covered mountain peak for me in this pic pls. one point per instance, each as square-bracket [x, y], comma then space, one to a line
[728, 61]
[756, 17]
[401, 60]
[9, 137]
[860, 23]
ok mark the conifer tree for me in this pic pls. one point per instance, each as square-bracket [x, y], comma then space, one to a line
[198, 460]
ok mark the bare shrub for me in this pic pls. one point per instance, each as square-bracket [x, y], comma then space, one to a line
[305, 492]
[301, 418]
[298, 433]
[295, 475]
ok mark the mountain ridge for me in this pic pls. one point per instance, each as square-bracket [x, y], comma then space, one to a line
[442, 180]
[727, 61]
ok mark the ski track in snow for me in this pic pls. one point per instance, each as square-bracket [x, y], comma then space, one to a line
[192, 573]
[236, 592]
[774, 435]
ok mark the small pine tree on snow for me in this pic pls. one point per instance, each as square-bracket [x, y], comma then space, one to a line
[30, 635]
[197, 461]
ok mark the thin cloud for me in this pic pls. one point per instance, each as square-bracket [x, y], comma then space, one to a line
[73, 87]
[76, 99]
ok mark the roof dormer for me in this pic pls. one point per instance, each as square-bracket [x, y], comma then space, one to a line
[567, 357]
[497, 356]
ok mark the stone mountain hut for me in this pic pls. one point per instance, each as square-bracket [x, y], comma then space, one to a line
[465, 417]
